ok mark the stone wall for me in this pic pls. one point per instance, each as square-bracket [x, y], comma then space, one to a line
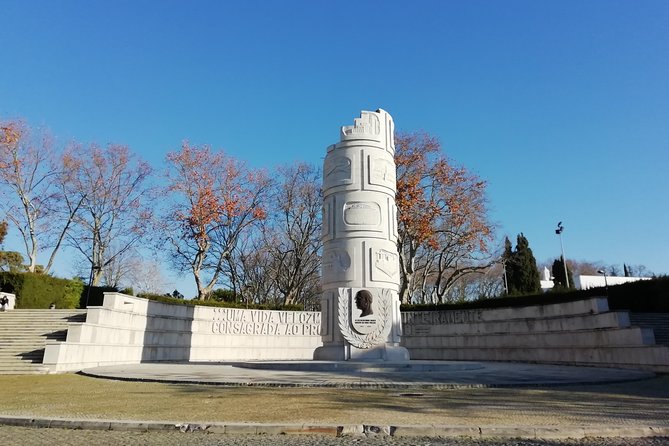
[579, 333]
[129, 330]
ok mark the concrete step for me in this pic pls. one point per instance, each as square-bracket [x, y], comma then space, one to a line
[659, 322]
[9, 335]
[20, 369]
[653, 358]
[24, 334]
[632, 336]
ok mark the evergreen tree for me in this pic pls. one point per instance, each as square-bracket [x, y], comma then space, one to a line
[557, 271]
[507, 258]
[521, 268]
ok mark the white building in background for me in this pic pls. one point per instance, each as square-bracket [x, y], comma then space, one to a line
[586, 282]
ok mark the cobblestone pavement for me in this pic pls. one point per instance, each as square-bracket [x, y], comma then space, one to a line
[20, 436]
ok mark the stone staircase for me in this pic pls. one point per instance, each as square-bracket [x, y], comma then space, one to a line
[23, 336]
[659, 322]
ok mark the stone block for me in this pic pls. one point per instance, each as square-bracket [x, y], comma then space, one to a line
[457, 431]
[507, 432]
[241, 429]
[351, 430]
[415, 431]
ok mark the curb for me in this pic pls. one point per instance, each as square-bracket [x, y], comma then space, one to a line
[348, 430]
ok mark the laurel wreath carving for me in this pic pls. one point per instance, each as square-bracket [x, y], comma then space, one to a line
[371, 339]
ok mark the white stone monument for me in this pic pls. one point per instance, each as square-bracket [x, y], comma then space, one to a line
[360, 272]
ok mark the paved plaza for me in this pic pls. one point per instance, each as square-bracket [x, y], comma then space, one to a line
[418, 374]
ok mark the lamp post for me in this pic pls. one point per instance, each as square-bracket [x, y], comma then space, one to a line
[506, 282]
[606, 284]
[558, 231]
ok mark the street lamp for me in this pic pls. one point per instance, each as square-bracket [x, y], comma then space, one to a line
[506, 282]
[558, 231]
[606, 284]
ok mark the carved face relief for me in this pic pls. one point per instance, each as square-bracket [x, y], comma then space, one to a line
[363, 302]
[363, 319]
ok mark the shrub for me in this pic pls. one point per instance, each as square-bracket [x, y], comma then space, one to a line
[35, 290]
[93, 296]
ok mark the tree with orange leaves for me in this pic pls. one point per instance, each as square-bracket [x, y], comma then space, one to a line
[215, 200]
[30, 172]
[443, 227]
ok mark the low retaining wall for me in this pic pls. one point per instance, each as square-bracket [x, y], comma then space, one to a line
[129, 330]
[579, 333]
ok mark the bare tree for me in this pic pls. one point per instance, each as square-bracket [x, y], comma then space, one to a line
[293, 235]
[253, 262]
[111, 184]
[29, 169]
[142, 274]
[483, 284]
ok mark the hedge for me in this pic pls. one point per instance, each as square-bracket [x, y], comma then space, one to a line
[215, 303]
[93, 296]
[643, 296]
[34, 290]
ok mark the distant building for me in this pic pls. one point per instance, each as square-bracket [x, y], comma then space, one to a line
[583, 282]
[586, 282]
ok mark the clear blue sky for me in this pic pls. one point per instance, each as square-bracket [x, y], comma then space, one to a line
[563, 106]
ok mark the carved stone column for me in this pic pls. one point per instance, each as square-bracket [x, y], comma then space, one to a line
[360, 272]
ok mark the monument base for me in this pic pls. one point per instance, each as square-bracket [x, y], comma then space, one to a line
[346, 352]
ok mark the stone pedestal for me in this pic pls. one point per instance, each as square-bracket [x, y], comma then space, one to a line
[360, 272]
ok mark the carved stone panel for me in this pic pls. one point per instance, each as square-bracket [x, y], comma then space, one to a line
[384, 264]
[381, 172]
[326, 230]
[337, 171]
[362, 213]
[336, 266]
[327, 302]
[392, 219]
